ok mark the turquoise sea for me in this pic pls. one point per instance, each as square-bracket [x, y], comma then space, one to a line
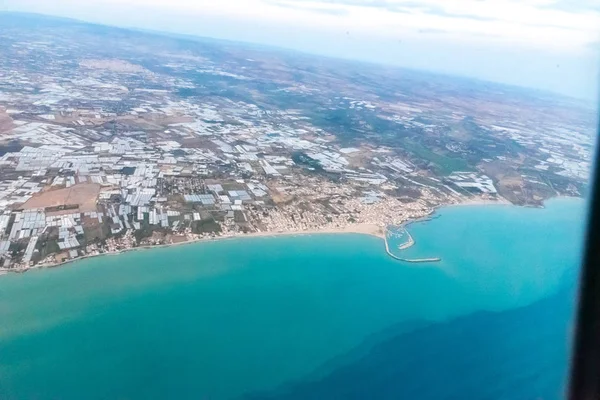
[304, 316]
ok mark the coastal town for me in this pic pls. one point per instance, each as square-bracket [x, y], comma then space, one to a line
[102, 151]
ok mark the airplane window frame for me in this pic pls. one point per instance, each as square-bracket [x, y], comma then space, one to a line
[584, 381]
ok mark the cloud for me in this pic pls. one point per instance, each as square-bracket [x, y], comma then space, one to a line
[438, 10]
[384, 4]
[578, 6]
[441, 12]
[319, 10]
[594, 46]
[432, 31]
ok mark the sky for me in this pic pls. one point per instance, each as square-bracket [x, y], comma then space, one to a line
[545, 44]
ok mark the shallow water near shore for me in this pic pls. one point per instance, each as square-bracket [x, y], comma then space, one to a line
[225, 319]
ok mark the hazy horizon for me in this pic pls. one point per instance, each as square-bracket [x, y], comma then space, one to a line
[550, 45]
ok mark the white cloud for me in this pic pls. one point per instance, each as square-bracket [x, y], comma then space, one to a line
[518, 22]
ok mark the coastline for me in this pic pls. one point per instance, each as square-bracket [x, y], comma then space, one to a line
[468, 202]
[369, 229]
[360, 229]
[480, 202]
[475, 202]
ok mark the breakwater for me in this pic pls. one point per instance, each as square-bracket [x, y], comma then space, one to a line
[406, 245]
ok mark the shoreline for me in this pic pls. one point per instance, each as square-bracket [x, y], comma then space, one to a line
[481, 202]
[369, 229]
[468, 202]
[357, 229]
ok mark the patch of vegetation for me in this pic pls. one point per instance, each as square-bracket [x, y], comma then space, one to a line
[188, 92]
[238, 217]
[179, 153]
[47, 246]
[11, 147]
[127, 170]
[302, 159]
[11, 221]
[95, 233]
[62, 207]
[206, 226]
[443, 164]
[145, 230]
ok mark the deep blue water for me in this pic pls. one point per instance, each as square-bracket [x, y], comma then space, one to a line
[518, 354]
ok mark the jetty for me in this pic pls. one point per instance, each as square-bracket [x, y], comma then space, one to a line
[405, 246]
[408, 243]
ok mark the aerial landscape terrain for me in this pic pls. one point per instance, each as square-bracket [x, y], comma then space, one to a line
[236, 220]
[114, 139]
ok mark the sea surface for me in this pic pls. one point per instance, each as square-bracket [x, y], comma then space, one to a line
[307, 317]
